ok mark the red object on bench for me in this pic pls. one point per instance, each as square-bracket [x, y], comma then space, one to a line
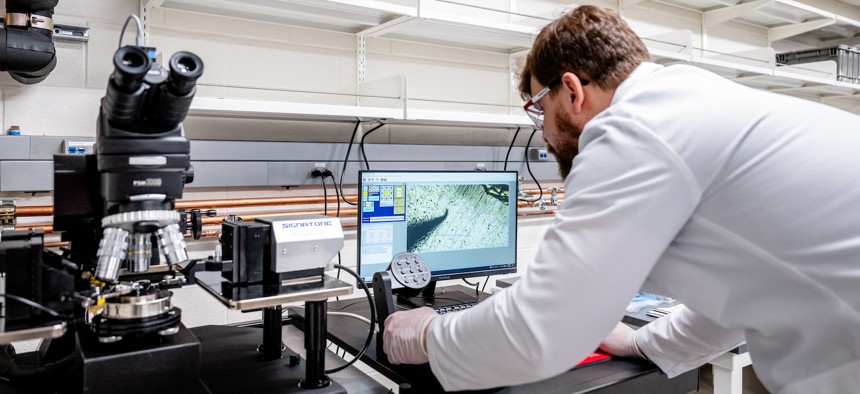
[597, 356]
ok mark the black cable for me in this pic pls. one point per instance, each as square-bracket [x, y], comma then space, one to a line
[12, 372]
[325, 197]
[334, 182]
[339, 263]
[438, 298]
[361, 144]
[528, 167]
[485, 283]
[336, 298]
[507, 155]
[33, 304]
[477, 286]
[346, 160]
[337, 215]
[346, 306]
[372, 320]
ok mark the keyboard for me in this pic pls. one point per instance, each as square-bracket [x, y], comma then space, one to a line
[453, 308]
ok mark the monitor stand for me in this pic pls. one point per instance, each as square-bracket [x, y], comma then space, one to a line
[430, 297]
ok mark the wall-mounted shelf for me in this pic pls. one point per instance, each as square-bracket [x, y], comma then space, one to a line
[261, 109]
[428, 21]
[454, 24]
[337, 15]
[755, 68]
[383, 99]
[782, 18]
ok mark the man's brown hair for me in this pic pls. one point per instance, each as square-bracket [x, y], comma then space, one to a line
[591, 42]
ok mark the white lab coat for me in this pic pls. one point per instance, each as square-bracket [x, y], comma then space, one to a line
[742, 203]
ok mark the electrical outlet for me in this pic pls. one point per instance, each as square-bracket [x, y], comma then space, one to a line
[78, 147]
[318, 170]
[538, 154]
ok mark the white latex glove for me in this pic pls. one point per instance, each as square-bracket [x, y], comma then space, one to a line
[620, 342]
[405, 339]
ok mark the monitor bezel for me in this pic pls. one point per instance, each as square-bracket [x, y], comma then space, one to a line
[437, 277]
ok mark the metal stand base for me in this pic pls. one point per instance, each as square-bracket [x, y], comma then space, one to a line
[131, 366]
[230, 363]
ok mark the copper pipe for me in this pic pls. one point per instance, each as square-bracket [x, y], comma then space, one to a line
[270, 201]
[47, 210]
[537, 212]
[204, 234]
[256, 202]
[48, 228]
[346, 212]
[41, 210]
[251, 216]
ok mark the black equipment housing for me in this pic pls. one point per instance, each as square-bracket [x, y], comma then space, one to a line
[27, 52]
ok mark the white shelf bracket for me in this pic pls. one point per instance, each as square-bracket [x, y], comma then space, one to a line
[512, 79]
[718, 16]
[360, 63]
[145, 18]
[783, 32]
[387, 27]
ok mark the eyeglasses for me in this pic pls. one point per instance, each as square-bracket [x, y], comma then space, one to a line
[534, 110]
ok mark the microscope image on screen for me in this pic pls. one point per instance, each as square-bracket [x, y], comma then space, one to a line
[463, 223]
[456, 217]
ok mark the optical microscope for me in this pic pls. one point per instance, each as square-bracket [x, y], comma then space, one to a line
[103, 306]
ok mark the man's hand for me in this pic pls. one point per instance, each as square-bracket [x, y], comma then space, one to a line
[405, 339]
[620, 342]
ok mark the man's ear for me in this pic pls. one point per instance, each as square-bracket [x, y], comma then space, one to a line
[575, 90]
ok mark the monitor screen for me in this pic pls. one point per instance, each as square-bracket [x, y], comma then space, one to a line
[463, 223]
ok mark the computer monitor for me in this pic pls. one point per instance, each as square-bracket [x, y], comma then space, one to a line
[463, 223]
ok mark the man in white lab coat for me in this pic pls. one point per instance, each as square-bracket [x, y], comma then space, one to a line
[742, 203]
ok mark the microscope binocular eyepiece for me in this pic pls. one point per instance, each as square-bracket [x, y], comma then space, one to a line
[125, 93]
[175, 97]
[185, 69]
[134, 95]
[130, 66]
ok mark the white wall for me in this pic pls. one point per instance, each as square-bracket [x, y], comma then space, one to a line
[255, 54]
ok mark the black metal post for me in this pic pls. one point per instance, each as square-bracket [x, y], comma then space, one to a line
[272, 326]
[315, 332]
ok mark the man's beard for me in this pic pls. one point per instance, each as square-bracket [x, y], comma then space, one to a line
[567, 145]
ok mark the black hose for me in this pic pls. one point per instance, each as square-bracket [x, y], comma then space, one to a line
[28, 53]
[11, 371]
[529, 168]
[372, 320]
